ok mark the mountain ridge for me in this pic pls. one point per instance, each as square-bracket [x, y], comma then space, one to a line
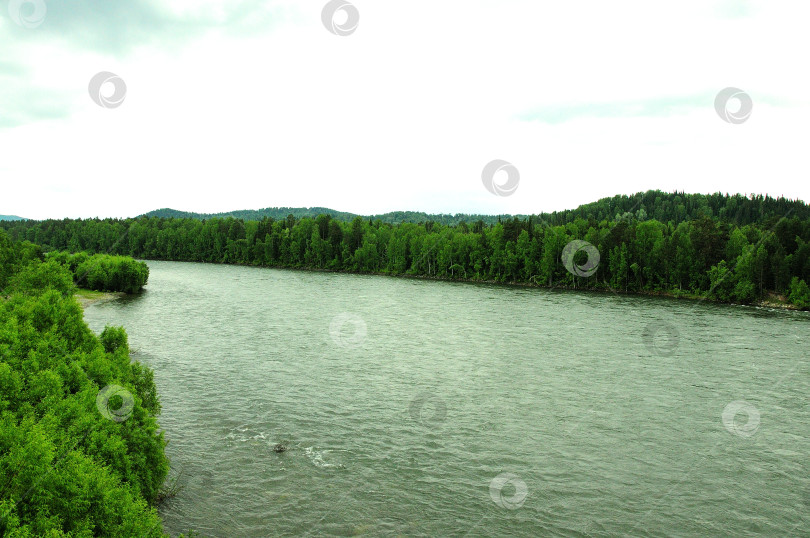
[391, 217]
[660, 205]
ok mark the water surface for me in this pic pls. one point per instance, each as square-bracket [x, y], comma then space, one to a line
[404, 402]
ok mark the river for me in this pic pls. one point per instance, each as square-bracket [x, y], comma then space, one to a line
[424, 408]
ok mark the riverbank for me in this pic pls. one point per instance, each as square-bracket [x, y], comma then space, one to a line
[770, 300]
[83, 382]
[90, 297]
[775, 300]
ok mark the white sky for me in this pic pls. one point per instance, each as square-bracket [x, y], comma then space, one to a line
[243, 105]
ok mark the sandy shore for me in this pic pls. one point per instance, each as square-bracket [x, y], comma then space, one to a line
[89, 297]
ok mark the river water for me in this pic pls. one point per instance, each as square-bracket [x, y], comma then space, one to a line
[424, 408]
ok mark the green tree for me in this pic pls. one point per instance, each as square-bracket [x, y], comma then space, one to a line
[799, 293]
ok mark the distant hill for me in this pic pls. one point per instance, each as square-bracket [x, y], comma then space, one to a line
[653, 204]
[680, 206]
[11, 217]
[394, 217]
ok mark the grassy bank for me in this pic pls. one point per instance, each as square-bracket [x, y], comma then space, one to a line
[88, 297]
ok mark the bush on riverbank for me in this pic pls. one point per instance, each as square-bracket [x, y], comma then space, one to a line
[80, 450]
[102, 272]
[799, 293]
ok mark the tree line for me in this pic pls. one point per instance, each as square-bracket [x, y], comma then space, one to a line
[703, 256]
[81, 453]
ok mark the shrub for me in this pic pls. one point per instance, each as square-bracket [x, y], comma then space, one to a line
[72, 462]
[799, 293]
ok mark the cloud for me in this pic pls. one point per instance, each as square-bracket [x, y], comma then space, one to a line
[733, 9]
[118, 27]
[23, 103]
[114, 30]
[31, 106]
[646, 108]
[253, 104]
[664, 107]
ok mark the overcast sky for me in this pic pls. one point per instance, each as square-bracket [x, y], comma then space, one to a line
[249, 104]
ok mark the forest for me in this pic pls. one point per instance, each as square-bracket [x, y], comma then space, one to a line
[724, 248]
[81, 453]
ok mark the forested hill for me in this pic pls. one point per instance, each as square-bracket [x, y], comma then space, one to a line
[276, 213]
[661, 206]
[678, 207]
[10, 217]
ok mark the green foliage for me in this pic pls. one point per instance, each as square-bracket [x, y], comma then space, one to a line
[39, 276]
[722, 281]
[103, 272]
[731, 248]
[799, 293]
[66, 469]
[113, 339]
[14, 256]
